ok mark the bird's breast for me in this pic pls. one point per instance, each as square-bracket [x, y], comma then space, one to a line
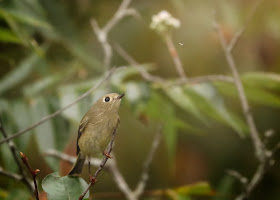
[97, 136]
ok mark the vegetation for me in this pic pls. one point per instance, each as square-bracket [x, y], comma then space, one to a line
[200, 115]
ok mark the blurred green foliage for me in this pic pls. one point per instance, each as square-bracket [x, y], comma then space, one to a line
[49, 56]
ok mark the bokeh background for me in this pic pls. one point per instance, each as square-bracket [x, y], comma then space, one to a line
[49, 56]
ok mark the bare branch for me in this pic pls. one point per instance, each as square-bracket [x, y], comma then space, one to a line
[156, 79]
[13, 150]
[144, 177]
[32, 172]
[11, 175]
[257, 177]
[264, 156]
[107, 75]
[102, 33]
[119, 180]
[71, 159]
[121, 12]
[238, 176]
[145, 75]
[237, 35]
[258, 145]
[174, 54]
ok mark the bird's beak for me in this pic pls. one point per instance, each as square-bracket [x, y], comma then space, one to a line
[121, 96]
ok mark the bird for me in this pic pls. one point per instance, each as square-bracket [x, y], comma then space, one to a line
[96, 129]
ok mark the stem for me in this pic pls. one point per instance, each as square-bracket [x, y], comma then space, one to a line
[258, 145]
[13, 150]
[32, 172]
[175, 57]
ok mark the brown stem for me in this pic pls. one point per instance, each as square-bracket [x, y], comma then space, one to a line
[174, 54]
[32, 172]
[13, 150]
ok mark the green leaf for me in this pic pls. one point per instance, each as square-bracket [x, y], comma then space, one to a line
[159, 109]
[206, 98]
[262, 80]
[7, 35]
[201, 188]
[254, 95]
[19, 73]
[182, 100]
[64, 188]
[27, 13]
[202, 101]
[48, 82]
[225, 188]
[24, 33]
[18, 194]
[184, 197]
[66, 32]
[119, 77]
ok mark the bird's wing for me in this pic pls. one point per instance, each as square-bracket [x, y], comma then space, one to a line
[82, 126]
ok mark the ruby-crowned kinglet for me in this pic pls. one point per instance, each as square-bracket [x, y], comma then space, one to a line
[96, 128]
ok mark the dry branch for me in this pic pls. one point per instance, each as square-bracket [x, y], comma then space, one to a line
[264, 156]
[32, 172]
[13, 150]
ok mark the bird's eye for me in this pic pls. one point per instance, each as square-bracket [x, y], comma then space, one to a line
[107, 99]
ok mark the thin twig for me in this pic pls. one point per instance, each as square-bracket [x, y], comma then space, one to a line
[107, 75]
[145, 75]
[238, 176]
[32, 172]
[11, 175]
[102, 33]
[13, 150]
[102, 164]
[144, 177]
[120, 181]
[175, 57]
[71, 159]
[264, 156]
[258, 145]
[202, 79]
[156, 79]
[237, 35]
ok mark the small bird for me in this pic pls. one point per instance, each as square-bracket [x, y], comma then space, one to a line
[96, 128]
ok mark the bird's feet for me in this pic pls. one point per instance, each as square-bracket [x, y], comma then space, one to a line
[92, 179]
[106, 154]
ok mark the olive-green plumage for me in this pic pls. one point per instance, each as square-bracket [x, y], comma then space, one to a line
[96, 128]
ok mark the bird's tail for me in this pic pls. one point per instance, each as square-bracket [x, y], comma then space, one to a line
[78, 166]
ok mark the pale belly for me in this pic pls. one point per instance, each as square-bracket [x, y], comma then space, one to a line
[94, 142]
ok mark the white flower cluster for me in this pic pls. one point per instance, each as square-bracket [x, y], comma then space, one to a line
[163, 21]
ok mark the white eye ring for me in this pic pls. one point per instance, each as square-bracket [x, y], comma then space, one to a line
[106, 99]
